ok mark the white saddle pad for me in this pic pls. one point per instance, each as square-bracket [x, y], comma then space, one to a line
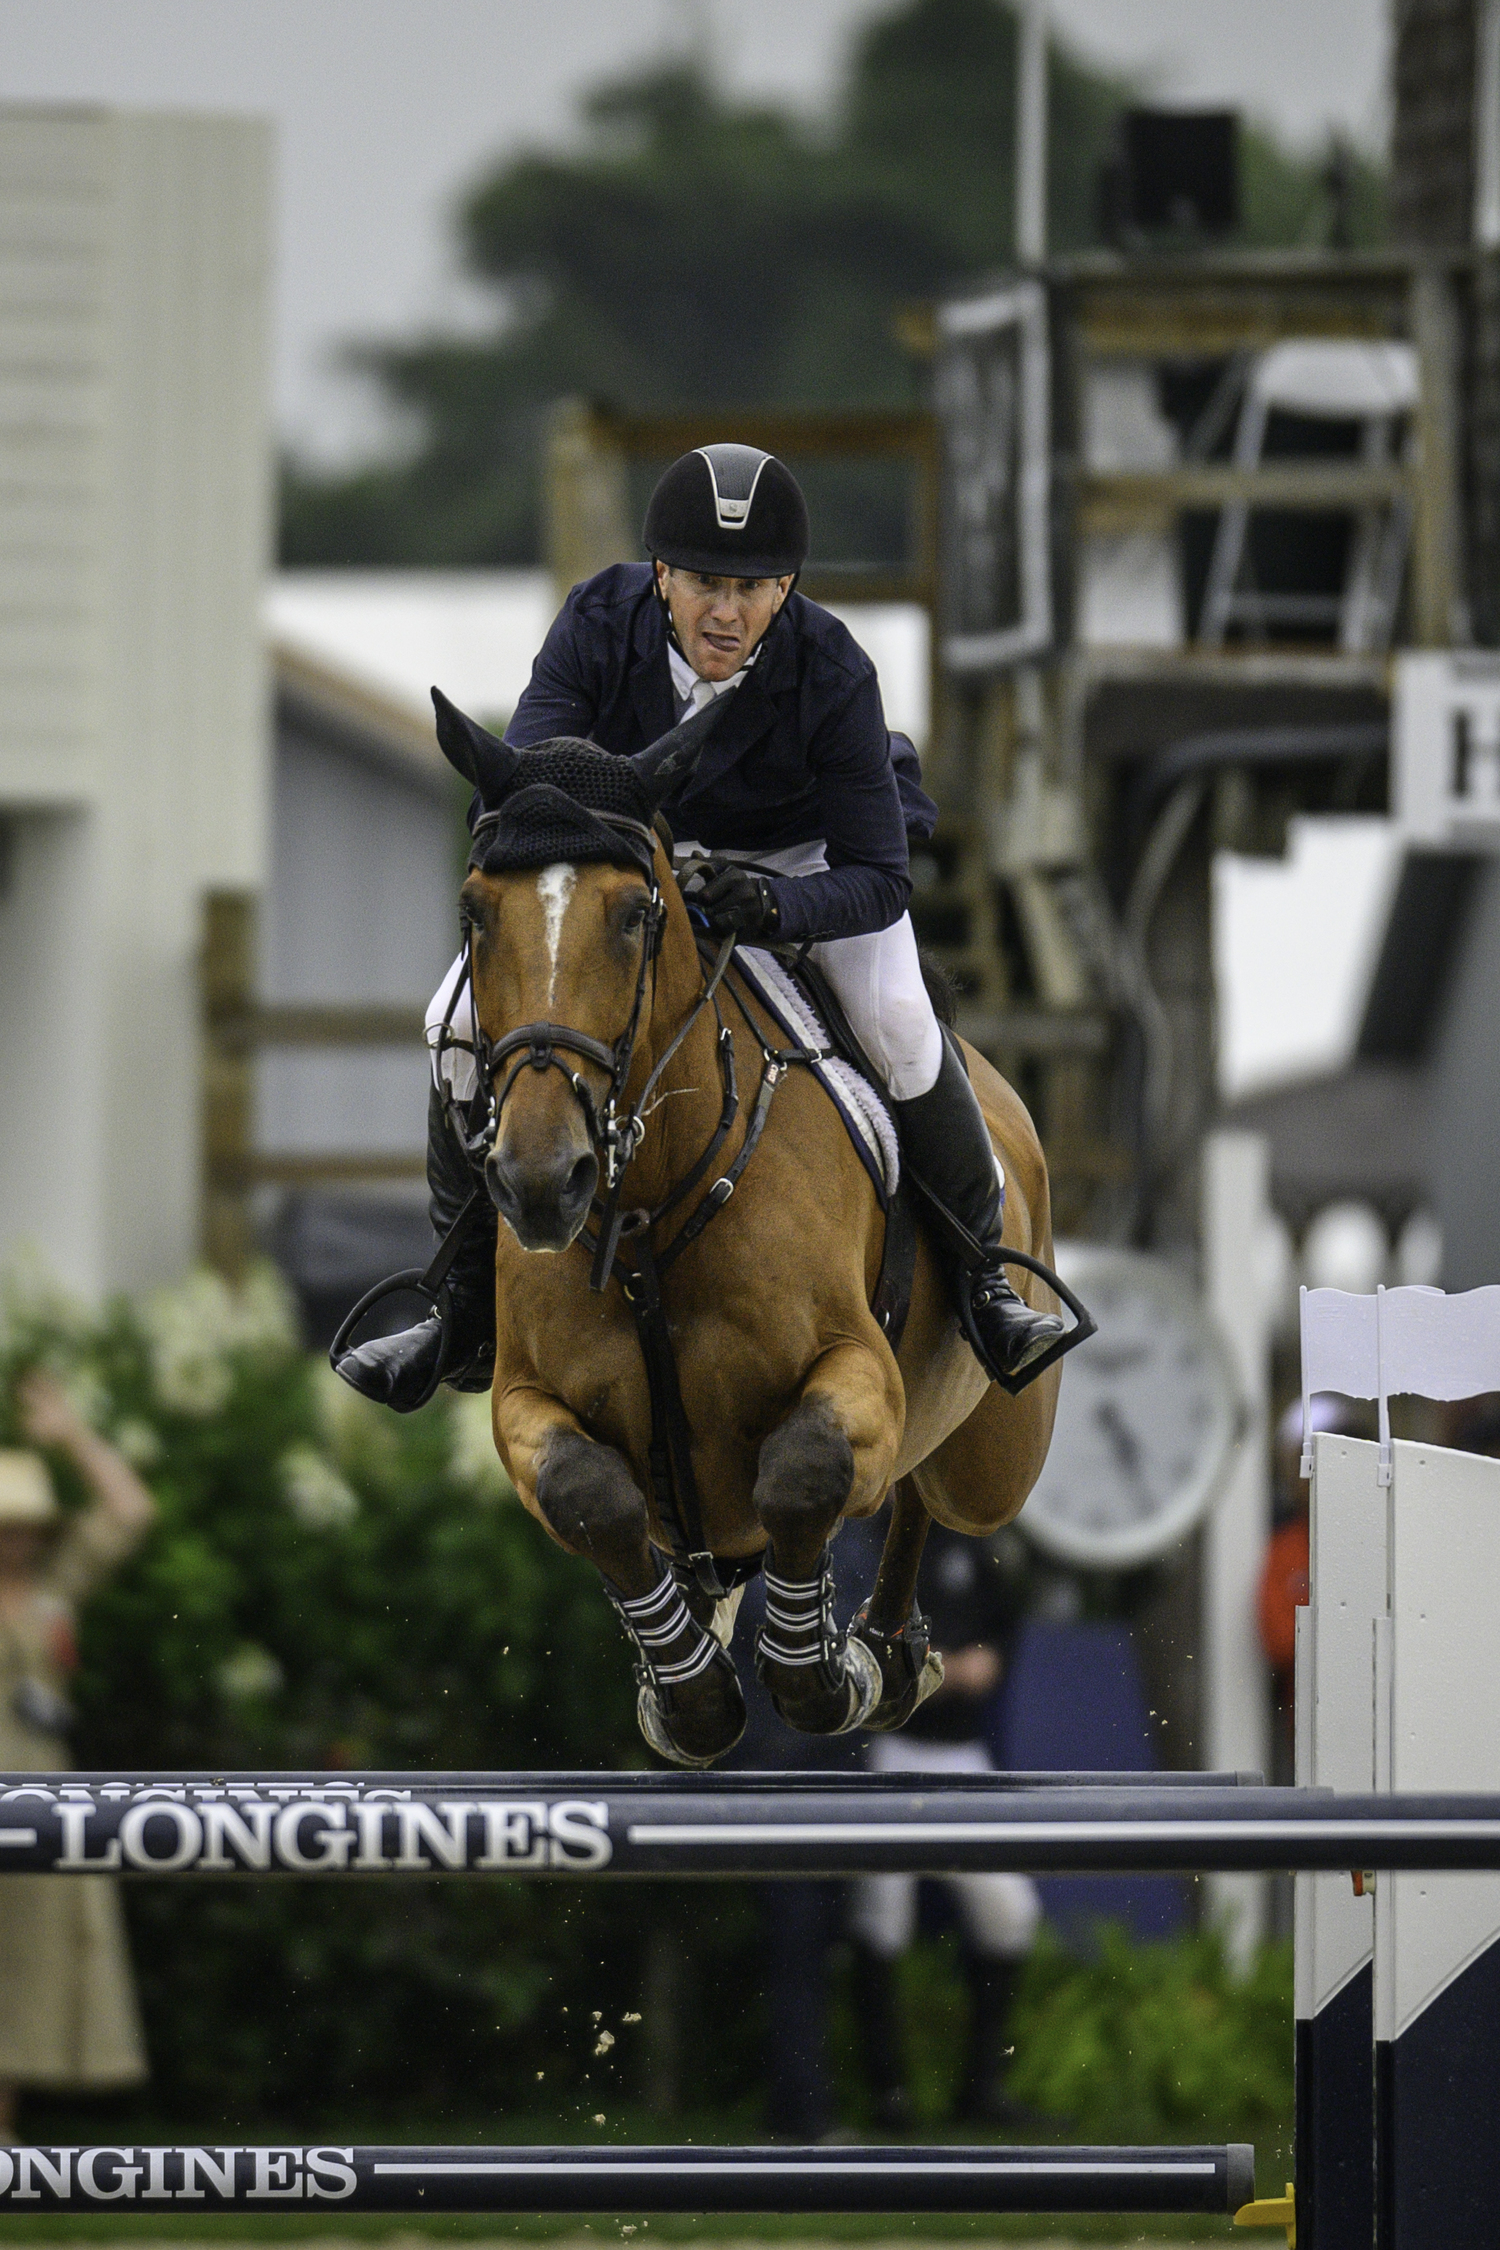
[866, 1117]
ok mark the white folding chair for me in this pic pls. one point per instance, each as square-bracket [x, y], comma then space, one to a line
[1323, 379]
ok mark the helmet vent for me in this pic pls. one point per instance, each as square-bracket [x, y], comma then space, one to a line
[734, 471]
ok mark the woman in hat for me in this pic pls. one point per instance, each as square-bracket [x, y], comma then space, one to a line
[67, 2007]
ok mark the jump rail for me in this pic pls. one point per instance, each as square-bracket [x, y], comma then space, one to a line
[632, 2179]
[351, 1825]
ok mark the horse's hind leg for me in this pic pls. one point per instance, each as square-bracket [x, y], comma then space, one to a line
[690, 1704]
[819, 1680]
[895, 1591]
[890, 1624]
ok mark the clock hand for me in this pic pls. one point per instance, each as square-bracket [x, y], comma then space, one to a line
[1125, 1446]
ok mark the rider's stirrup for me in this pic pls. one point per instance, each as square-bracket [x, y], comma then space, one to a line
[454, 1342]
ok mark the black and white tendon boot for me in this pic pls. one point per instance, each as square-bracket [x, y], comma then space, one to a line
[820, 1680]
[947, 1144]
[689, 1703]
[403, 1370]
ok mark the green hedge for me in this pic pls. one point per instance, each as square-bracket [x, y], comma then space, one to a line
[1156, 2041]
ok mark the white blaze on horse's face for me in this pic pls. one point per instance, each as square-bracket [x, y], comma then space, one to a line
[556, 945]
[554, 887]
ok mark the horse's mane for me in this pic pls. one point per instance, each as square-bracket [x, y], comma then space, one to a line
[561, 804]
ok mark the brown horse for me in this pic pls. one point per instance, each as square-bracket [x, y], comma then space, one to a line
[798, 1410]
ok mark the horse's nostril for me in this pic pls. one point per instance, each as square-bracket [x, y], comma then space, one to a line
[581, 1178]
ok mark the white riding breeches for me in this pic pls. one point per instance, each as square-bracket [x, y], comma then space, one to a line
[1000, 1914]
[877, 981]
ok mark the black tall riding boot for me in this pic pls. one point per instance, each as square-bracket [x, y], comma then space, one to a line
[403, 1371]
[947, 1144]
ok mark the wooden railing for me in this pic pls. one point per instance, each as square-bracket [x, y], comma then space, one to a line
[237, 1026]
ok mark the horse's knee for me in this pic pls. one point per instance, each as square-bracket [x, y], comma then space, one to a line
[804, 1476]
[592, 1503]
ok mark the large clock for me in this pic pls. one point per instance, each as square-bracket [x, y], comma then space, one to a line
[1147, 1418]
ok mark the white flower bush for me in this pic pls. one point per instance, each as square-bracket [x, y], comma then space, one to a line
[472, 1458]
[251, 1672]
[140, 1444]
[315, 1492]
[193, 1329]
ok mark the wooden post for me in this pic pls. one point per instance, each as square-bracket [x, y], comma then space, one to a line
[1438, 617]
[227, 987]
[586, 500]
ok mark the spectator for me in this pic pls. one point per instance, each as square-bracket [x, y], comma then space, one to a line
[973, 1613]
[67, 2008]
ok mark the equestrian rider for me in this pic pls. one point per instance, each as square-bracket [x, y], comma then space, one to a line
[802, 777]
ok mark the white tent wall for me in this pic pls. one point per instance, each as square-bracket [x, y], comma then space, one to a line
[135, 502]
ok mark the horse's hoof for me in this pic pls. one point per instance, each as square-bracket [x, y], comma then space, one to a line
[840, 1706]
[910, 1668]
[698, 1738]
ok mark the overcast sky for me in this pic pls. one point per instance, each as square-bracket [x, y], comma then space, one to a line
[385, 109]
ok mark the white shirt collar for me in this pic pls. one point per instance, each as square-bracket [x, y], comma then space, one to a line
[697, 693]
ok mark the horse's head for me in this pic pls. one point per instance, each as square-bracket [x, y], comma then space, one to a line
[563, 910]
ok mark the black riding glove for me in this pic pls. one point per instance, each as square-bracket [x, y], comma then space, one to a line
[731, 899]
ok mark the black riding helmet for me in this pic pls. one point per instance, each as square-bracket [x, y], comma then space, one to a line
[729, 511]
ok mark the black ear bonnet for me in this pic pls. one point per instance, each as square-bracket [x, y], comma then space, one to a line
[564, 804]
[567, 799]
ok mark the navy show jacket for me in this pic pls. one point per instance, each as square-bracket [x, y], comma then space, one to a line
[802, 753]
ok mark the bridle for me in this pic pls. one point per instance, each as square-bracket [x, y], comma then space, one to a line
[615, 1131]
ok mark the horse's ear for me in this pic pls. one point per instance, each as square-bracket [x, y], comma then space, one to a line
[667, 761]
[478, 755]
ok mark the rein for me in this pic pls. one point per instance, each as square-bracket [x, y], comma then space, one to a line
[615, 1133]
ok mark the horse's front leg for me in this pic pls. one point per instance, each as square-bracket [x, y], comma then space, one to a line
[690, 1704]
[832, 1455]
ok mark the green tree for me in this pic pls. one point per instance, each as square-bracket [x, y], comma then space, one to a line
[700, 252]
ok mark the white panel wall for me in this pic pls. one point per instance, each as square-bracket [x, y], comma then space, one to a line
[362, 906]
[134, 530]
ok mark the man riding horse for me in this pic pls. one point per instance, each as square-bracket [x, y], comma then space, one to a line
[803, 778]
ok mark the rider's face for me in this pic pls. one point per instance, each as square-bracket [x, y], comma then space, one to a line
[719, 621]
